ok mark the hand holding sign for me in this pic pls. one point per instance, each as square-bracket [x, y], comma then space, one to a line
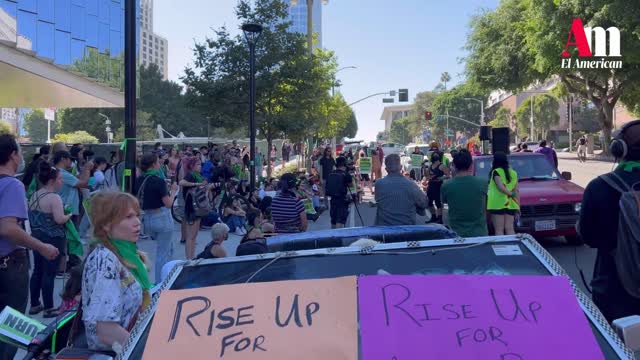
[472, 317]
[311, 319]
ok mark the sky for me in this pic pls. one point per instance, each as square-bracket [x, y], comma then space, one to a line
[394, 44]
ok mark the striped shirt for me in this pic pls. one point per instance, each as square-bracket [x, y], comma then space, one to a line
[285, 212]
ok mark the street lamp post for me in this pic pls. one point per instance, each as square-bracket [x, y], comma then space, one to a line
[130, 93]
[252, 34]
[481, 116]
[107, 124]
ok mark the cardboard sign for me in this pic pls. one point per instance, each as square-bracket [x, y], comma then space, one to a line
[416, 160]
[310, 319]
[365, 165]
[472, 317]
[17, 328]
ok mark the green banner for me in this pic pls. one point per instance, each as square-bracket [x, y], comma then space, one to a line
[365, 165]
[416, 160]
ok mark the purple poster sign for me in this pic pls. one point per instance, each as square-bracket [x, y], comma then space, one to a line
[472, 317]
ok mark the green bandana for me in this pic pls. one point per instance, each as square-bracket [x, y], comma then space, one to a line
[197, 176]
[154, 172]
[629, 166]
[129, 252]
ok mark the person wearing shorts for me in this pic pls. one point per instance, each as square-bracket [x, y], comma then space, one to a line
[503, 200]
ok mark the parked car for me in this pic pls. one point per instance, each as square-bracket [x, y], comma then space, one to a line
[391, 148]
[549, 201]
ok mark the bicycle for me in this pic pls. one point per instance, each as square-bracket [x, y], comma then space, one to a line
[220, 192]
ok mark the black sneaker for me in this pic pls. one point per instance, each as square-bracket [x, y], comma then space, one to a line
[183, 241]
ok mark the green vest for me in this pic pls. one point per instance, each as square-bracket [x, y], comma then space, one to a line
[496, 200]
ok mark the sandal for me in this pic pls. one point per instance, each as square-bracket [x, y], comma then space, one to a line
[50, 313]
[36, 309]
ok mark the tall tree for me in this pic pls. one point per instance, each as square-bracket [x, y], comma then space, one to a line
[291, 87]
[521, 41]
[502, 118]
[545, 115]
[400, 131]
[453, 102]
[36, 126]
[445, 78]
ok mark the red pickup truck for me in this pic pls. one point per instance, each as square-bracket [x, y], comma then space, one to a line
[549, 201]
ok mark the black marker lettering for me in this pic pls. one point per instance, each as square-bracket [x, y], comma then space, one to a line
[397, 306]
[259, 341]
[226, 321]
[517, 309]
[239, 321]
[212, 319]
[228, 341]
[495, 335]
[534, 307]
[466, 313]
[311, 309]
[447, 308]
[511, 356]
[176, 316]
[482, 337]
[460, 336]
[426, 312]
[295, 312]
[242, 344]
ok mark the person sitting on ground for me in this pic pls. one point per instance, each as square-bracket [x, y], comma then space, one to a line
[234, 216]
[254, 242]
[214, 249]
[287, 210]
[398, 199]
[467, 197]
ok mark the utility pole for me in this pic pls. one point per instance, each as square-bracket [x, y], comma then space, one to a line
[570, 107]
[129, 94]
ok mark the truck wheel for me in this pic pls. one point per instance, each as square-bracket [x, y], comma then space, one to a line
[574, 240]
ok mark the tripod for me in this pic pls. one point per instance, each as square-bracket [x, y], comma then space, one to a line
[355, 204]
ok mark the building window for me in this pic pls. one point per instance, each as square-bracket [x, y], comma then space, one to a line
[144, 42]
[144, 48]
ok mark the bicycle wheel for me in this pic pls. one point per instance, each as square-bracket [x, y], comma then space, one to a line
[177, 208]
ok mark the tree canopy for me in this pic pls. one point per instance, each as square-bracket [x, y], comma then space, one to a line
[545, 115]
[36, 126]
[520, 43]
[81, 136]
[5, 128]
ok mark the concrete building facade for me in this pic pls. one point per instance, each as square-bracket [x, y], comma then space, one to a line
[154, 49]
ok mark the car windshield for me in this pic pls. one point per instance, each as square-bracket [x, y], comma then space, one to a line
[531, 167]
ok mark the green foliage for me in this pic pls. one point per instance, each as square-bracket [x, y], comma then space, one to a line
[351, 128]
[89, 120]
[502, 118]
[400, 131]
[291, 86]
[166, 105]
[102, 67]
[288, 169]
[36, 126]
[5, 128]
[76, 137]
[145, 131]
[454, 102]
[383, 136]
[521, 41]
[444, 79]
[545, 115]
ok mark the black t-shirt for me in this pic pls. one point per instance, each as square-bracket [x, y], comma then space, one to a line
[153, 191]
[327, 166]
[598, 227]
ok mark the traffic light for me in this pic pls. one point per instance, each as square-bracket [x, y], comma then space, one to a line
[403, 95]
[428, 115]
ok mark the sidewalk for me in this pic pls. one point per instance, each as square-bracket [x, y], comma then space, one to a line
[597, 156]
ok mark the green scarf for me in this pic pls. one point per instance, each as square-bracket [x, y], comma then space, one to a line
[129, 252]
[154, 172]
[197, 176]
[629, 166]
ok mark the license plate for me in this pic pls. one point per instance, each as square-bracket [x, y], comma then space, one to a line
[545, 225]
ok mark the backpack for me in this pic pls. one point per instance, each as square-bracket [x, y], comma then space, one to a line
[627, 252]
[582, 141]
[336, 185]
[201, 201]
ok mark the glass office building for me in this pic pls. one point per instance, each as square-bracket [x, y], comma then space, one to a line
[298, 18]
[82, 37]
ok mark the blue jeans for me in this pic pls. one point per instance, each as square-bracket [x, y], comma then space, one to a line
[234, 221]
[158, 224]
